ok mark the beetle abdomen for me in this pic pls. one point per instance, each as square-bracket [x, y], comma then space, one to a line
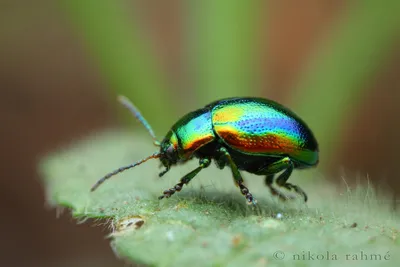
[259, 126]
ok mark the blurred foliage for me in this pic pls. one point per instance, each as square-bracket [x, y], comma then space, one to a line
[124, 55]
[223, 42]
[208, 222]
[332, 87]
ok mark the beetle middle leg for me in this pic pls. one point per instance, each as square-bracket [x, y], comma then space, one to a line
[238, 177]
[204, 163]
[287, 165]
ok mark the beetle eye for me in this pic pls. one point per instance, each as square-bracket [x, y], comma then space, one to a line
[170, 151]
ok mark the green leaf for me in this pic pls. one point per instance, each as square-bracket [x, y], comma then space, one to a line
[208, 222]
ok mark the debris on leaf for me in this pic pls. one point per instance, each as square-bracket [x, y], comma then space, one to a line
[353, 225]
[128, 223]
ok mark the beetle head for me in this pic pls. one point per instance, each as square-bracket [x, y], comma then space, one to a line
[169, 151]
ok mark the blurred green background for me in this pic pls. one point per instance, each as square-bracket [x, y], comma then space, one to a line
[62, 63]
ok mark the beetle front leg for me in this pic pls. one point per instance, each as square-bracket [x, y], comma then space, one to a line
[204, 163]
[238, 178]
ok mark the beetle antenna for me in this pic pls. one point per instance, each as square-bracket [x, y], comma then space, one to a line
[135, 112]
[109, 175]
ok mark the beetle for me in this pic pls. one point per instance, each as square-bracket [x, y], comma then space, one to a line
[250, 134]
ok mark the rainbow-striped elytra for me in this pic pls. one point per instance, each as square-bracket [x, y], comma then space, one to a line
[250, 134]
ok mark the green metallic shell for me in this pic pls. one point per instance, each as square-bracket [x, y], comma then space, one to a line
[257, 126]
[193, 131]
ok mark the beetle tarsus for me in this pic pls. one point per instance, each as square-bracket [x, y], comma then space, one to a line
[280, 182]
[169, 192]
[297, 189]
[278, 194]
[161, 174]
[245, 192]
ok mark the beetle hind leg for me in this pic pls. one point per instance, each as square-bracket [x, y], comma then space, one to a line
[269, 179]
[287, 165]
[296, 188]
[204, 163]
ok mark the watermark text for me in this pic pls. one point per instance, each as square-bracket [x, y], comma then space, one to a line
[331, 256]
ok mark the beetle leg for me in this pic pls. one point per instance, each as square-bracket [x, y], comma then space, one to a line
[161, 174]
[204, 163]
[296, 188]
[287, 165]
[220, 162]
[238, 178]
[269, 179]
[282, 182]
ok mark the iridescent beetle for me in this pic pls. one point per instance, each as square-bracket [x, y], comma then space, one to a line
[255, 135]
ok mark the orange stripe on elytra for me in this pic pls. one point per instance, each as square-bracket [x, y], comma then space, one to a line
[259, 144]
